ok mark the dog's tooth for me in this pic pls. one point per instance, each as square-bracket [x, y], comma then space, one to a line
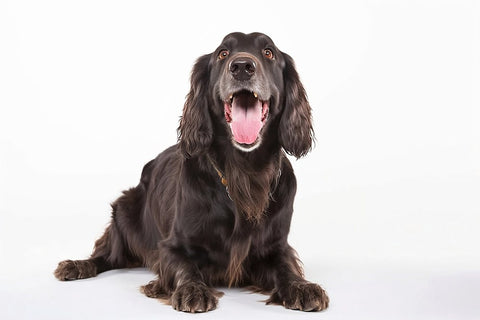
[255, 95]
[230, 97]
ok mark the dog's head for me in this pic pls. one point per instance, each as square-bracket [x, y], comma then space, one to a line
[249, 86]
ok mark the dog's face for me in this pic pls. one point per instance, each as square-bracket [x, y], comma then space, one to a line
[247, 88]
[247, 78]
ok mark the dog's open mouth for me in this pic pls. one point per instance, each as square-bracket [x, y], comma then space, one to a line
[246, 114]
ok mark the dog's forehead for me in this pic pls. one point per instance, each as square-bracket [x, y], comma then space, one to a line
[244, 41]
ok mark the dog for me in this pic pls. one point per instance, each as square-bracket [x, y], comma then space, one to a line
[215, 209]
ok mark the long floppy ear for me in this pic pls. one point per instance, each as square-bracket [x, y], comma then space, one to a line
[195, 133]
[295, 129]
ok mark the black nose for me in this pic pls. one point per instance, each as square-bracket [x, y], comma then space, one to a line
[242, 68]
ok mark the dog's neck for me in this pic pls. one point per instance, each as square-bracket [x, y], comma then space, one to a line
[250, 178]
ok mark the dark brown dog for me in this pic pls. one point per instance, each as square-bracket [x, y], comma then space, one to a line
[215, 209]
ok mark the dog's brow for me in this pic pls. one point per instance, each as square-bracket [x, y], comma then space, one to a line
[263, 40]
[230, 41]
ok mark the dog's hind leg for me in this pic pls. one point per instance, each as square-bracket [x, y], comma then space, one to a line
[111, 250]
[109, 253]
[98, 262]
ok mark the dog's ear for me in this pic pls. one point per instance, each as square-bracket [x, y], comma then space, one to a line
[296, 129]
[195, 131]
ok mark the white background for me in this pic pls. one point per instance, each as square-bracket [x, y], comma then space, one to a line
[387, 213]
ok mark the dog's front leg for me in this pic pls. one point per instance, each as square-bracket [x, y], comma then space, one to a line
[180, 283]
[290, 288]
[301, 295]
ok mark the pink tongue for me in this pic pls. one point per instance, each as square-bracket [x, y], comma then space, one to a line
[246, 121]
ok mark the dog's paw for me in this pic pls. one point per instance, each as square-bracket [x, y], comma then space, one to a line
[301, 295]
[78, 269]
[195, 297]
[154, 289]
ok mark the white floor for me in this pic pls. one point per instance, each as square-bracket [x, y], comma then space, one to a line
[356, 293]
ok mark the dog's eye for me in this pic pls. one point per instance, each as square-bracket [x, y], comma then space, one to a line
[268, 54]
[223, 54]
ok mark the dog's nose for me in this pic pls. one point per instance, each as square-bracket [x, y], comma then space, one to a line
[242, 68]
